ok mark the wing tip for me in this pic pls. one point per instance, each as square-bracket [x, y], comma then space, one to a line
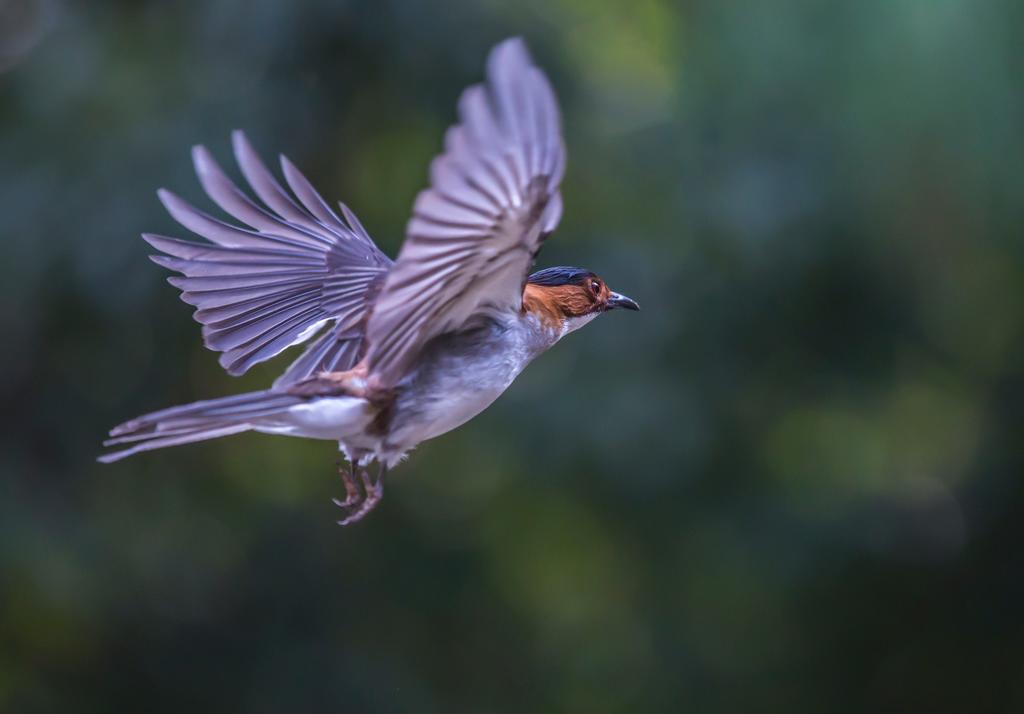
[153, 239]
[289, 169]
[511, 43]
[233, 365]
[164, 262]
[171, 201]
[510, 51]
[202, 160]
[241, 145]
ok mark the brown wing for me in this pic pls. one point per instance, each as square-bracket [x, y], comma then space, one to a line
[474, 233]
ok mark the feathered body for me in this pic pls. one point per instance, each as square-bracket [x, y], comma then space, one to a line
[415, 347]
[458, 375]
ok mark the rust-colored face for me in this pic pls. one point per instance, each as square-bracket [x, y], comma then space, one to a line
[577, 300]
[559, 293]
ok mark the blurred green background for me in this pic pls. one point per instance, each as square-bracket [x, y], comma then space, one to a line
[792, 483]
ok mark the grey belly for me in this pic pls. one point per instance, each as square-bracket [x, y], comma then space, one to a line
[459, 376]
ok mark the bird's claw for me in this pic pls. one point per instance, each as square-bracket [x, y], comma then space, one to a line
[358, 502]
[352, 495]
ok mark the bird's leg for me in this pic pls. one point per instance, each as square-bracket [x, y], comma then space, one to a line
[373, 489]
[352, 495]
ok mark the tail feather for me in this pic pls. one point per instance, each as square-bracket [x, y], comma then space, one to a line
[158, 442]
[222, 406]
[199, 421]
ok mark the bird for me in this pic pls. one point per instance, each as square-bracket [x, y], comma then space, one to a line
[404, 350]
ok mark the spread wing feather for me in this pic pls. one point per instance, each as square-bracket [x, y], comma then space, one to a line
[293, 266]
[474, 233]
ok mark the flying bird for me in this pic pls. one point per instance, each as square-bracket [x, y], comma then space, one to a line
[407, 349]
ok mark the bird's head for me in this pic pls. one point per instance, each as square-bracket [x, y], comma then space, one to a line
[568, 298]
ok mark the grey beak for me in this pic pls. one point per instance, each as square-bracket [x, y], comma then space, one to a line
[621, 301]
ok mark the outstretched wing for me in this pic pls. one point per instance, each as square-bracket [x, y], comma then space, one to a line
[258, 290]
[474, 233]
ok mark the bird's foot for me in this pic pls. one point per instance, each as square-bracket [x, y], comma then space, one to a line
[348, 478]
[358, 502]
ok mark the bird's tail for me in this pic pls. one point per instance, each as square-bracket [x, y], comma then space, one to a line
[198, 421]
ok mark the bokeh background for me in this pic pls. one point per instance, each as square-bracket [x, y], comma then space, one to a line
[793, 483]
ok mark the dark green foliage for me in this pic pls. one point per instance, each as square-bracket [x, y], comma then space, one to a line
[793, 483]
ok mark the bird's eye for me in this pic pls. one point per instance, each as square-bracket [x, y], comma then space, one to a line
[595, 285]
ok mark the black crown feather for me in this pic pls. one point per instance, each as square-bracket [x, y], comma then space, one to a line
[560, 275]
